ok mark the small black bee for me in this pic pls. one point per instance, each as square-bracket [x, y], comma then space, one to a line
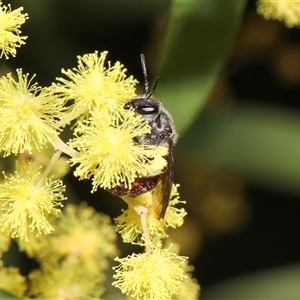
[163, 133]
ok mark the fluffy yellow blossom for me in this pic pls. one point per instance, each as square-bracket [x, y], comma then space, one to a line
[156, 274]
[128, 224]
[81, 235]
[285, 10]
[28, 114]
[109, 153]
[174, 216]
[12, 281]
[189, 289]
[10, 22]
[27, 206]
[92, 85]
[65, 281]
[4, 241]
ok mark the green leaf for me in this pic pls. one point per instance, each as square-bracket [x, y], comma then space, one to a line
[276, 283]
[260, 143]
[199, 38]
[7, 296]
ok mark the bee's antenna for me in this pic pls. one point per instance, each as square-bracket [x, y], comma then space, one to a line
[143, 61]
[153, 89]
[154, 85]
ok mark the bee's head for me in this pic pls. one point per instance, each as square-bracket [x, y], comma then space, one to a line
[144, 106]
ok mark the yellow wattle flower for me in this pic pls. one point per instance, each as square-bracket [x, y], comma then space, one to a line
[283, 10]
[65, 280]
[93, 85]
[10, 22]
[25, 206]
[81, 235]
[156, 274]
[12, 281]
[28, 114]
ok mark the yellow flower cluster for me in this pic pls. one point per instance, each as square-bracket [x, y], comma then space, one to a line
[26, 206]
[287, 11]
[76, 238]
[65, 281]
[4, 242]
[138, 276]
[72, 264]
[158, 273]
[104, 137]
[105, 131]
[155, 274]
[189, 289]
[73, 250]
[28, 114]
[93, 86]
[12, 281]
[10, 22]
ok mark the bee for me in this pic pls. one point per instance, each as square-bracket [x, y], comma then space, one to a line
[163, 133]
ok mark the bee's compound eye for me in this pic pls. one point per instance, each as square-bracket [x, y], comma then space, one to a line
[147, 110]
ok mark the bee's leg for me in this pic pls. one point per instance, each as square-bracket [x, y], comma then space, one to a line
[142, 211]
[140, 205]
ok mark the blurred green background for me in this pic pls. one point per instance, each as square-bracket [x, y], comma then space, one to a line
[232, 82]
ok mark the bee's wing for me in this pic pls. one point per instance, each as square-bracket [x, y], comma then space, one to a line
[163, 190]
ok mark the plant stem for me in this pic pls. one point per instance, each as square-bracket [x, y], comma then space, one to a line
[71, 117]
[60, 145]
[48, 169]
